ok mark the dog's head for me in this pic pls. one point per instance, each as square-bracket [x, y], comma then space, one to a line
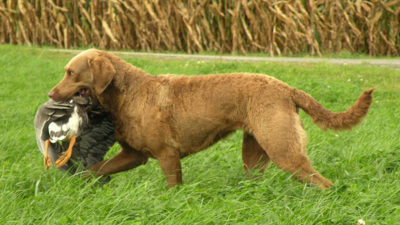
[88, 73]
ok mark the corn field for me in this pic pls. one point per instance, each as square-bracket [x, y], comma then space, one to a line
[276, 27]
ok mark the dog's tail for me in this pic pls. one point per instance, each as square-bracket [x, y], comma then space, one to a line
[337, 121]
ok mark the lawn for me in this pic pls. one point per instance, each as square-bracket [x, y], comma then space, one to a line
[363, 164]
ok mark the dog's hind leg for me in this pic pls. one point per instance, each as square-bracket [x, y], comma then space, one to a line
[283, 138]
[253, 156]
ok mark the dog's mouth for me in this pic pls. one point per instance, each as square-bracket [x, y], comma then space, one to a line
[83, 92]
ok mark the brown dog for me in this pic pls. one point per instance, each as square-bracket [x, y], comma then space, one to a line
[169, 117]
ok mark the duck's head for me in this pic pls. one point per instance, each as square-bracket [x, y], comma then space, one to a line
[84, 76]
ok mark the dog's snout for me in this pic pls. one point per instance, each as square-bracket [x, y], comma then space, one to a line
[52, 94]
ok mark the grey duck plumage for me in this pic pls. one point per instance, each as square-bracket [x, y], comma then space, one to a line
[92, 127]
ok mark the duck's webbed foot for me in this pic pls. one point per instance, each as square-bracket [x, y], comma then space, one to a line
[46, 160]
[65, 156]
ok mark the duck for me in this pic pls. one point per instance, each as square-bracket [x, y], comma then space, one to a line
[75, 129]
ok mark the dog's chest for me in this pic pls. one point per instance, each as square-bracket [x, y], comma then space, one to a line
[145, 130]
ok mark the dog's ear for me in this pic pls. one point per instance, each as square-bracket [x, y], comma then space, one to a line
[103, 73]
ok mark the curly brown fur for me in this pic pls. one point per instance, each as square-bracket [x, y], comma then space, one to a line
[337, 121]
[169, 117]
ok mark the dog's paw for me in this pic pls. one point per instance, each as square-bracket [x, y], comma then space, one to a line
[326, 185]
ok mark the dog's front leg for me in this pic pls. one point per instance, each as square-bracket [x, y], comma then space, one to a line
[170, 163]
[124, 160]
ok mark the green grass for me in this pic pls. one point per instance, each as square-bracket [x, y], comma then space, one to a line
[364, 163]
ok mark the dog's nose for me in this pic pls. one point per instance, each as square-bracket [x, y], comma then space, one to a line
[52, 94]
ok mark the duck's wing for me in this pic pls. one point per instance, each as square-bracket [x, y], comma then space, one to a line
[42, 119]
[47, 113]
[39, 122]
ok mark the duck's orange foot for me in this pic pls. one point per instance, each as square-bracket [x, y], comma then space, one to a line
[46, 160]
[65, 156]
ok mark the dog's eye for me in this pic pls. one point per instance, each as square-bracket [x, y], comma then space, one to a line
[69, 72]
